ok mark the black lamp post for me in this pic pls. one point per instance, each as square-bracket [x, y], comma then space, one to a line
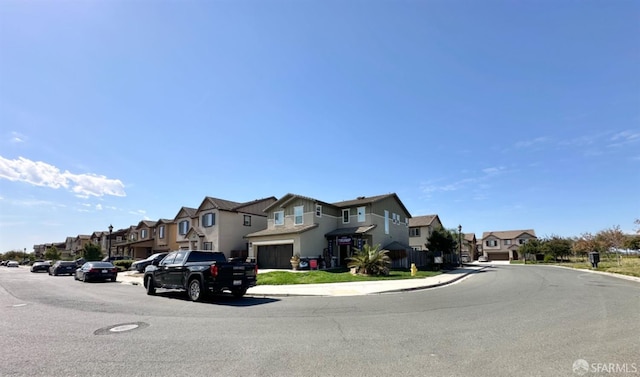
[24, 255]
[110, 230]
[460, 245]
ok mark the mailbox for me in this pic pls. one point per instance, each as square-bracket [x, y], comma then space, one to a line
[594, 259]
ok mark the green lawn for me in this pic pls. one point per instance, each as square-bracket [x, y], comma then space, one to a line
[332, 276]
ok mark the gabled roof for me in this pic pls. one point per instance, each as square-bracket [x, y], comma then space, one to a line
[469, 237]
[508, 234]
[282, 202]
[188, 211]
[147, 223]
[195, 230]
[231, 206]
[425, 220]
[165, 221]
[370, 200]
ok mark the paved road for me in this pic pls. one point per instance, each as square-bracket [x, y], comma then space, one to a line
[505, 321]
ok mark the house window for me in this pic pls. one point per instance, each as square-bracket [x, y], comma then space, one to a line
[386, 222]
[522, 241]
[417, 248]
[507, 242]
[346, 214]
[395, 218]
[318, 210]
[361, 213]
[161, 231]
[143, 234]
[278, 218]
[247, 220]
[208, 219]
[208, 246]
[183, 227]
[491, 243]
[297, 215]
[414, 232]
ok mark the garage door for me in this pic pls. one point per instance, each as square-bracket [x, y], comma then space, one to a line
[275, 256]
[498, 255]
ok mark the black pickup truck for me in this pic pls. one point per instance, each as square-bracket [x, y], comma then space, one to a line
[199, 273]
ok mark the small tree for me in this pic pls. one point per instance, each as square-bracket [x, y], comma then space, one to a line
[557, 247]
[585, 244]
[91, 252]
[442, 241]
[370, 261]
[530, 248]
[52, 253]
[613, 239]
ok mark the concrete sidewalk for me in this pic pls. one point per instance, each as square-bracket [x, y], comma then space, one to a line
[342, 289]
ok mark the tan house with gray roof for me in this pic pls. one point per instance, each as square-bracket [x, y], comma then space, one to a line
[504, 245]
[313, 228]
[221, 225]
[420, 228]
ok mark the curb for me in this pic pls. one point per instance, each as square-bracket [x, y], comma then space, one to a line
[428, 286]
[612, 274]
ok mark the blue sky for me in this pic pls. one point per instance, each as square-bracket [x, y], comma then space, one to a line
[496, 115]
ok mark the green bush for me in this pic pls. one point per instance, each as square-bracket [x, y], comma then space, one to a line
[549, 258]
[123, 265]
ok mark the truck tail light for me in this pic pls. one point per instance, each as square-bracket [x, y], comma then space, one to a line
[255, 269]
[214, 270]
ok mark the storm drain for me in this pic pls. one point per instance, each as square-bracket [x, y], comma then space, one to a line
[121, 328]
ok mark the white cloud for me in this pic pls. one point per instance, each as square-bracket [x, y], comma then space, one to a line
[529, 143]
[99, 207]
[39, 173]
[17, 137]
[477, 182]
[623, 138]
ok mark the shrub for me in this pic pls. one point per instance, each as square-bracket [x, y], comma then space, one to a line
[123, 265]
[549, 258]
[370, 261]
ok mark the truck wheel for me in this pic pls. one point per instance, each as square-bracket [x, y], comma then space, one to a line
[194, 290]
[238, 293]
[151, 289]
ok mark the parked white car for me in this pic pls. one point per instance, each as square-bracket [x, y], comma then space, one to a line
[13, 263]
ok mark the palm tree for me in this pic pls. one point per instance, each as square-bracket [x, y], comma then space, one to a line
[370, 261]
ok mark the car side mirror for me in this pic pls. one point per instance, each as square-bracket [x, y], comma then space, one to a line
[155, 262]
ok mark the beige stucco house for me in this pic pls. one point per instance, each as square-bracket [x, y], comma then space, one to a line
[313, 228]
[221, 225]
[504, 245]
[420, 228]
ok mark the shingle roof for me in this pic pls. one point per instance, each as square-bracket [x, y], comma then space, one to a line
[508, 234]
[425, 220]
[369, 200]
[288, 197]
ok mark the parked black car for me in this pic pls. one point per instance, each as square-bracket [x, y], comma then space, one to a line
[142, 264]
[62, 267]
[40, 266]
[96, 271]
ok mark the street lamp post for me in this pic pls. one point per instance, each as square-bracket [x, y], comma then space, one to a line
[460, 245]
[24, 255]
[109, 240]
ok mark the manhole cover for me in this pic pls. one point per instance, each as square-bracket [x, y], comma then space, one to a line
[121, 328]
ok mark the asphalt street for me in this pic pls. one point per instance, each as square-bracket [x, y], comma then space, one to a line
[503, 321]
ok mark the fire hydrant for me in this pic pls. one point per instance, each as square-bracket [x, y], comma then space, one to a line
[414, 269]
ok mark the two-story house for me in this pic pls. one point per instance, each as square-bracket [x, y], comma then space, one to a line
[314, 228]
[221, 225]
[420, 229]
[165, 239]
[141, 244]
[504, 245]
